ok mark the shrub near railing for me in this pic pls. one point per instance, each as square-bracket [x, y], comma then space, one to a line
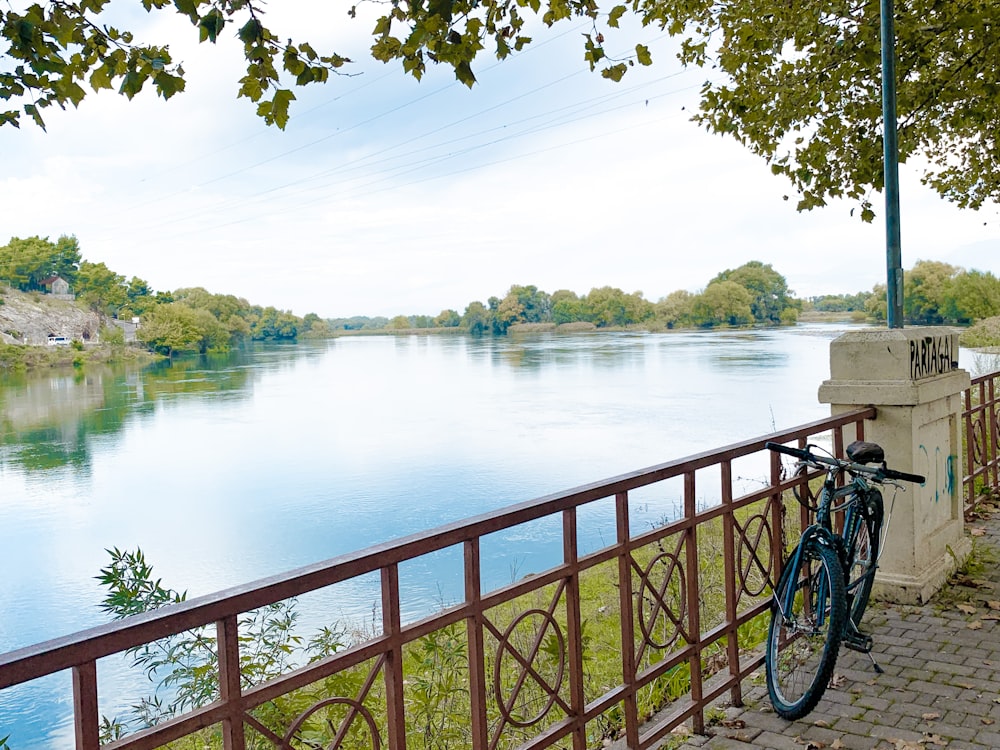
[626, 641]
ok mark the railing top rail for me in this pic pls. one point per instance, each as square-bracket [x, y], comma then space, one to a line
[67, 651]
[984, 378]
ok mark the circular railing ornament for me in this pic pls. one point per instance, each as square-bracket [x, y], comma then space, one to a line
[754, 575]
[653, 599]
[337, 742]
[529, 677]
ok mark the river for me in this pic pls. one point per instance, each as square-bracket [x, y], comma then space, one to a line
[226, 469]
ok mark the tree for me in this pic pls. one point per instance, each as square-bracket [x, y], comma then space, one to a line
[876, 304]
[65, 261]
[926, 289]
[448, 319]
[178, 327]
[722, 303]
[800, 87]
[675, 310]
[974, 295]
[54, 48]
[610, 306]
[798, 83]
[768, 289]
[536, 305]
[477, 319]
[25, 263]
[271, 324]
[140, 295]
[567, 307]
[312, 321]
[504, 313]
[101, 288]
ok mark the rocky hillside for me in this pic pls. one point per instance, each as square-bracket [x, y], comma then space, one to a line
[30, 318]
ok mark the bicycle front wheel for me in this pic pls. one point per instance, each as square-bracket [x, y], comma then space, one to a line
[807, 621]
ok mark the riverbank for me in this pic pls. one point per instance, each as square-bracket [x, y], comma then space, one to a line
[24, 357]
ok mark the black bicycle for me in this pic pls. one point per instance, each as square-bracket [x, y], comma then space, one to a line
[827, 580]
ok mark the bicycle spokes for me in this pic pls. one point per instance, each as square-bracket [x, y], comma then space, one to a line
[805, 633]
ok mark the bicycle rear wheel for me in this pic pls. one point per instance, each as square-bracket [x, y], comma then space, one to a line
[807, 621]
[862, 554]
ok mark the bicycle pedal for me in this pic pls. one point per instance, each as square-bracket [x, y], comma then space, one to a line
[858, 642]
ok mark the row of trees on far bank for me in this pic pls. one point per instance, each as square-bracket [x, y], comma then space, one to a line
[933, 293]
[193, 319]
[752, 294]
[190, 319]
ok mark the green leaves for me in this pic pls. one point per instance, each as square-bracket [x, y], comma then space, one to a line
[275, 110]
[642, 54]
[797, 85]
[210, 26]
[54, 53]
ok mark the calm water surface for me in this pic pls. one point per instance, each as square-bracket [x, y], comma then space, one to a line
[228, 469]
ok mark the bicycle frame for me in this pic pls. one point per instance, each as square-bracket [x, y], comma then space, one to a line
[822, 531]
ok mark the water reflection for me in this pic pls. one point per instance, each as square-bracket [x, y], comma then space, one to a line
[51, 419]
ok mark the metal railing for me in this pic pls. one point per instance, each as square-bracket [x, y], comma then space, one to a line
[684, 600]
[981, 424]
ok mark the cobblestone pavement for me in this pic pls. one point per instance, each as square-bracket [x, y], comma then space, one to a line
[940, 689]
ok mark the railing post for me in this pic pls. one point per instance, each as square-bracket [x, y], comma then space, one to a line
[394, 698]
[574, 626]
[990, 447]
[627, 607]
[694, 600]
[477, 656]
[777, 508]
[228, 643]
[85, 718]
[732, 582]
[968, 414]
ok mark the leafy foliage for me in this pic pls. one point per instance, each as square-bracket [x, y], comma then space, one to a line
[769, 293]
[183, 667]
[801, 88]
[54, 50]
[798, 83]
[25, 263]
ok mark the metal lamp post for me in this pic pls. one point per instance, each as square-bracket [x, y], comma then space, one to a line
[890, 158]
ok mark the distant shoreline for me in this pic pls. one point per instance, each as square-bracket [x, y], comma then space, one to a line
[29, 357]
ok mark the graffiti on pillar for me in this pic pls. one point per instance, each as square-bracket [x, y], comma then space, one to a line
[940, 472]
[932, 355]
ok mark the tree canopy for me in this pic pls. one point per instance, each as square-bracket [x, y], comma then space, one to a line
[796, 82]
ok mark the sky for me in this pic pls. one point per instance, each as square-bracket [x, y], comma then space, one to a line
[387, 196]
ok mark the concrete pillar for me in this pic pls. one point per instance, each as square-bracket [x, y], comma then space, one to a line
[911, 376]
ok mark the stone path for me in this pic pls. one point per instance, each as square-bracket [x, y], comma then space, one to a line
[940, 689]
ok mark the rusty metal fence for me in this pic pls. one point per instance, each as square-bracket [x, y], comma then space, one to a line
[685, 601]
[981, 424]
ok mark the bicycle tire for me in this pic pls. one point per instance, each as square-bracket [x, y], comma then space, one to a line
[862, 552]
[802, 644]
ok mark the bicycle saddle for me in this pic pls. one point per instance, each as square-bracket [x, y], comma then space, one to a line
[866, 453]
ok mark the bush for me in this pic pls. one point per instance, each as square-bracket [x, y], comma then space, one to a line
[984, 333]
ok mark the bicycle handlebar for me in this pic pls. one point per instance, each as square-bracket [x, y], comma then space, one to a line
[878, 473]
[893, 474]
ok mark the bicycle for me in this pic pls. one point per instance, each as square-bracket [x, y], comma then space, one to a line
[827, 580]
